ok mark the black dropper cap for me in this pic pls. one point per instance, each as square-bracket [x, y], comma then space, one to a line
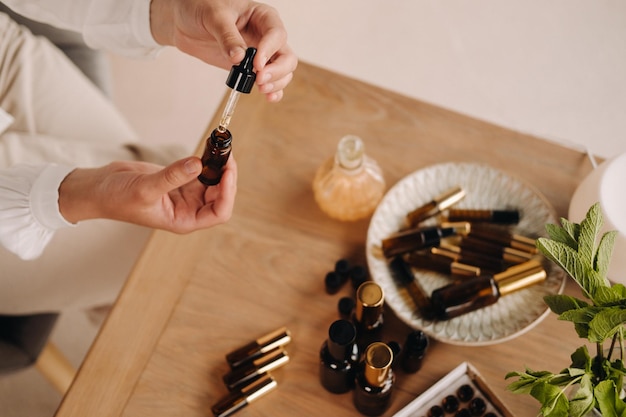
[242, 76]
[341, 338]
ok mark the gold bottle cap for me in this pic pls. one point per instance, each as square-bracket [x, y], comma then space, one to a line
[436, 206]
[524, 243]
[458, 268]
[236, 400]
[449, 198]
[252, 350]
[378, 359]
[369, 303]
[445, 249]
[522, 280]
[518, 269]
[279, 337]
[460, 228]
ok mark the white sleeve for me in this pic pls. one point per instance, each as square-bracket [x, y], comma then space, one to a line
[120, 26]
[29, 207]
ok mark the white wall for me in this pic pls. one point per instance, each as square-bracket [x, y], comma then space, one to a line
[555, 69]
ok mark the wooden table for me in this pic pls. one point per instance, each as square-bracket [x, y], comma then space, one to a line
[191, 299]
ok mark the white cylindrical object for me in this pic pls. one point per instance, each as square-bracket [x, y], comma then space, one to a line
[606, 185]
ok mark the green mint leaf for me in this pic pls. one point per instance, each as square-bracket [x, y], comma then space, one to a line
[620, 289]
[608, 400]
[589, 229]
[606, 323]
[573, 229]
[560, 234]
[568, 259]
[582, 315]
[582, 401]
[522, 385]
[609, 296]
[581, 359]
[582, 330]
[553, 401]
[605, 251]
[560, 303]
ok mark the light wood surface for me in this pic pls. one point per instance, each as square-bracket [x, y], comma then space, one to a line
[191, 299]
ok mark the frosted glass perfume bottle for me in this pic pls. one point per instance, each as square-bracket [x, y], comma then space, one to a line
[350, 185]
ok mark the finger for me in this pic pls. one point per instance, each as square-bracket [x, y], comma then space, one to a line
[221, 201]
[282, 65]
[223, 28]
[266, 22]
[274, 97]
[174, 175]
[277, 85]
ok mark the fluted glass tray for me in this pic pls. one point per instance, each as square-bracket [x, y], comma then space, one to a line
[485, 187]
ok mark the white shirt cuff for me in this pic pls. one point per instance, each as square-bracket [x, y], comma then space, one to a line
[44, 197]
[29, 207]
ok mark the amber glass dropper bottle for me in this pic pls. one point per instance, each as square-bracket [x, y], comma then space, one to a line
[219, 144]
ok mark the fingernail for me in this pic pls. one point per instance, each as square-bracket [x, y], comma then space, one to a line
[236, 51]
[190, 166]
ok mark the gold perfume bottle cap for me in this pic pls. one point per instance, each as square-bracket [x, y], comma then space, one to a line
[520, 277]
[258, 347]
[369, 303]
[460, 228]
[436, 206]
[378, 359]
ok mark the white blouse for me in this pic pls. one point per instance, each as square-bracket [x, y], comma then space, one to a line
[29, 211]
[120, 26]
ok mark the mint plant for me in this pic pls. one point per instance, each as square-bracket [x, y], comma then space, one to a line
[590, 382]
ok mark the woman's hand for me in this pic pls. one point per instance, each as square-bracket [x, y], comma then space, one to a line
[169, 198]
[219, 31]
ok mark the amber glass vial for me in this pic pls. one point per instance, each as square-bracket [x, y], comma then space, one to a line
[374, 384]
[339, 357]
[464, 296]
[216, 154]
[368, 313]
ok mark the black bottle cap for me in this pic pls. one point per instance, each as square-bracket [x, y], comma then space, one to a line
[358, 275]
[242, 76]
[505, 216]
[341, 337]
[342, 267]
[432, 236]
[333, 282]
[345, 305]
[416, 341]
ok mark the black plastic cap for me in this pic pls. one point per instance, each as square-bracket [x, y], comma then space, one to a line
[333, 282]
[416, 341]
[505, 216]
[342, 267]
[345, 306]
[341, 338]
[358, 275]
[242, 76]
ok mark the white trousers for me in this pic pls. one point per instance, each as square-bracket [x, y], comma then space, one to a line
[60, 116]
